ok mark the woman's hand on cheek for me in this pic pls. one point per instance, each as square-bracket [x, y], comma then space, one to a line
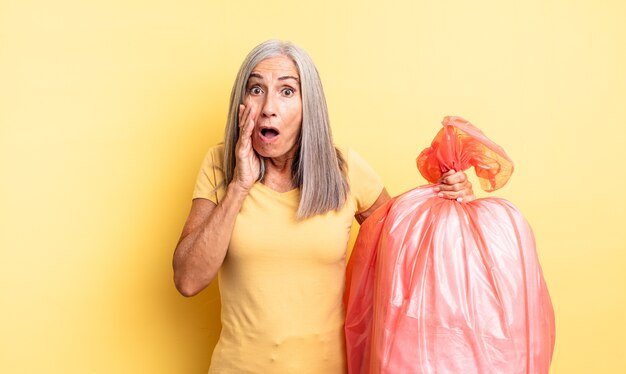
[247, 164]
[454, 185]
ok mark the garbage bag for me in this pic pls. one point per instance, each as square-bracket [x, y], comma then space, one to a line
[439, 286]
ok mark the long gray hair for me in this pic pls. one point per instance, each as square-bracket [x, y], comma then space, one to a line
[318, 168]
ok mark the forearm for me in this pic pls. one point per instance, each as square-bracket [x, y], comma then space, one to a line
[200, 253]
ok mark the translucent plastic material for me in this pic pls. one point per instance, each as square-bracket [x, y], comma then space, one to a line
[438, 286]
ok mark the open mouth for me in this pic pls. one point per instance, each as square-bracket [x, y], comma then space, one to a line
[269, 133]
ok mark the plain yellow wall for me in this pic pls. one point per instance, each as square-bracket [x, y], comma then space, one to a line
[107, 107]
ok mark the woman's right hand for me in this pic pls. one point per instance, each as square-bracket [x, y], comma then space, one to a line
[206, 236]
[248, 165]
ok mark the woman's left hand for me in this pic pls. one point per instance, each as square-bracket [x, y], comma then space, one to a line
[454, 185]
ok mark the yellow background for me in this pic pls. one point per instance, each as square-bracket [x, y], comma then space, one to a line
[107, 107]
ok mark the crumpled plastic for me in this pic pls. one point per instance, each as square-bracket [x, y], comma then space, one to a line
[438, 286]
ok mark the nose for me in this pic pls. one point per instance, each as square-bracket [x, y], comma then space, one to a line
[269, 106]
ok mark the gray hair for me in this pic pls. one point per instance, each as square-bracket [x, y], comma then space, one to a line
[318, 168]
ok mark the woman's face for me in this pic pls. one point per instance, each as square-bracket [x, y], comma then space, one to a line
[273, 90]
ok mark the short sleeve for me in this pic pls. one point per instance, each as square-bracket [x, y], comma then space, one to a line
[210, 180]
[365, 184]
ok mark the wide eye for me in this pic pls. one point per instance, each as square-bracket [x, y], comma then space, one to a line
[288, 91]
[256, 90]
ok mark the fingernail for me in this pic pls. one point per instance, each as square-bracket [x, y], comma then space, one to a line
[440, 194]
[459, 199]
[436, 189]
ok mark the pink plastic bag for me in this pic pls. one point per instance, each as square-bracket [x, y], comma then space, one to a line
[438, 286]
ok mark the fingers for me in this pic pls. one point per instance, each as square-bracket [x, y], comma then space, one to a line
[240, 113]
[466, 199]
[247, 163]
[452, 177]
[446, 174]
[463, 195]
[244, 114]
[452, 181]
[246, 124]
[455, 186]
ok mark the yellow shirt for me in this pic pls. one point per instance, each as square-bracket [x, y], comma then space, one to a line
[282, 280]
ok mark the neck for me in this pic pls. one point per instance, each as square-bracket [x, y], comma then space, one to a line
[278, 174]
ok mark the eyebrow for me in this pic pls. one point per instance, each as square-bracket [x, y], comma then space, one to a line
[288, 77]
[284, 77]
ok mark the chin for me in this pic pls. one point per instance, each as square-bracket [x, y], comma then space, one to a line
[264, 151]
[272, 150]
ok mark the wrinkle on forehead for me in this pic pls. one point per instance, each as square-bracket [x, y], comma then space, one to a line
[279, 66]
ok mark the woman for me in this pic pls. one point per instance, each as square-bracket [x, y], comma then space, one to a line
[272, 212]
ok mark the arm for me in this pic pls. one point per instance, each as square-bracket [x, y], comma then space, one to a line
[204, 241]
[453, 185]
[382, 199]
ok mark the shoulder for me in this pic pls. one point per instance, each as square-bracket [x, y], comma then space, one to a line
[214, 158]
[216, 153]
[365, 184]
[353, 161]
[210, 180]
[349, 156]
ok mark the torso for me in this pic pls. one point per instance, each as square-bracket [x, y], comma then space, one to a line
[282, 284]
[282, 281]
